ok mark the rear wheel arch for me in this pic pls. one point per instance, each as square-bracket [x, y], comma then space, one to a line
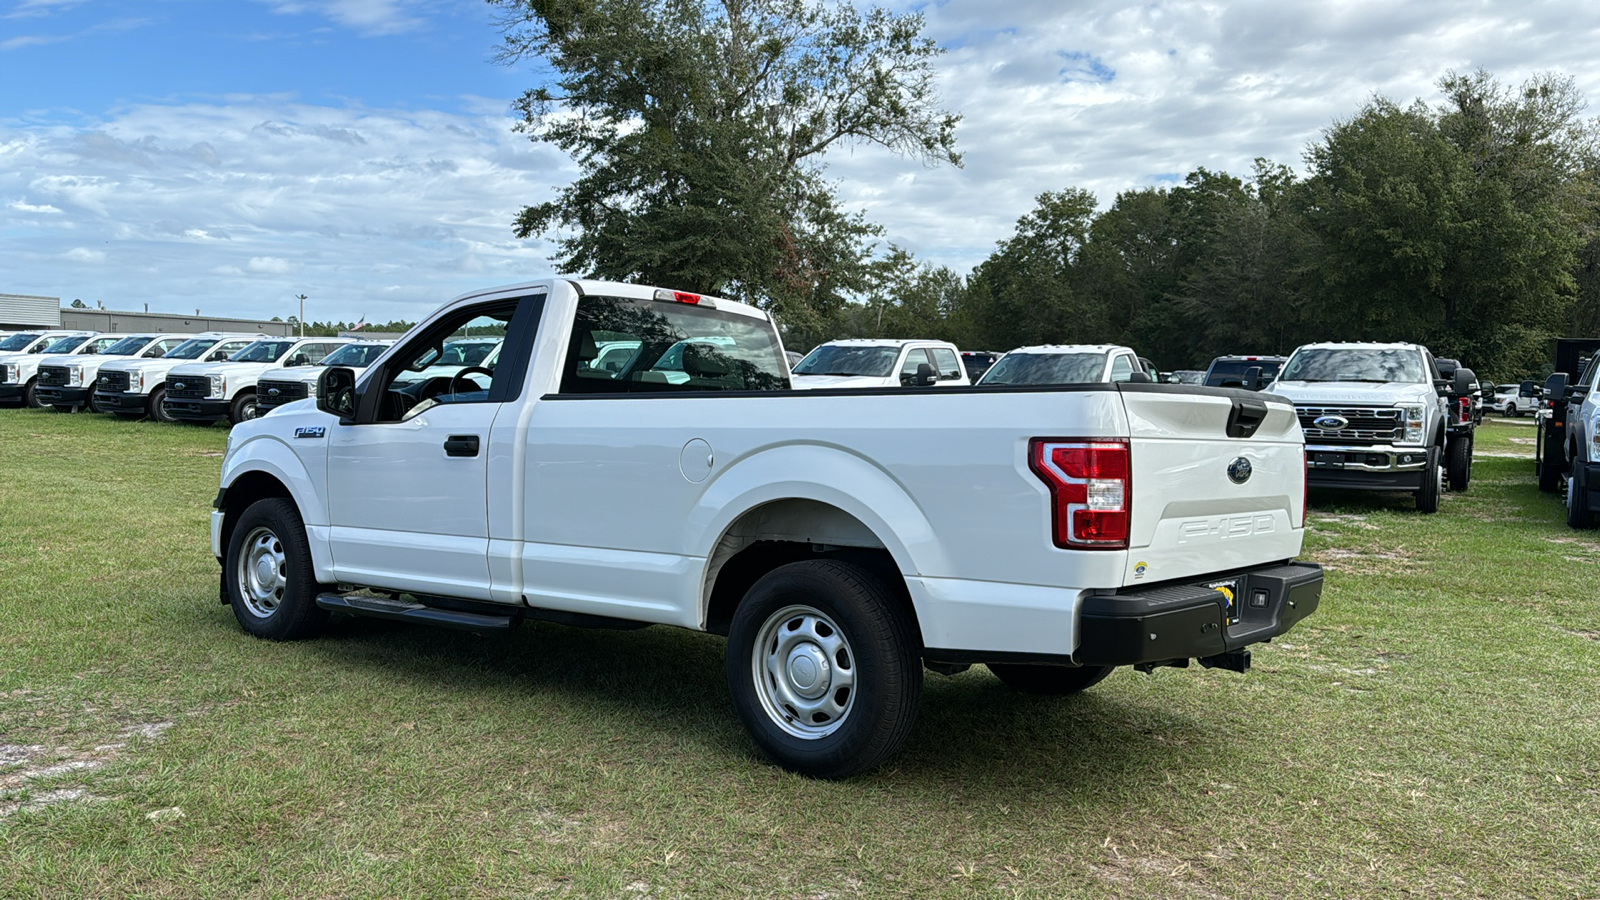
[775, 534]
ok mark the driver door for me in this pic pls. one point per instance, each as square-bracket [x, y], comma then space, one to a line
[408, 481]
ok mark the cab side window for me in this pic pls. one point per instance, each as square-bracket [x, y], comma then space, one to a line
[630, 345]
[1121, 367]
[946, 363]
[458, 359]
[915, 358]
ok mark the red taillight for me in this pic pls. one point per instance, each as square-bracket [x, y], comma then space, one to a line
[1466, 409]
[1090, 490]
[681, 297]
[667, 296]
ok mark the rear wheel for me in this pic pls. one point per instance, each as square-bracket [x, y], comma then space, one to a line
[1549, 469]
[823, 667]
[1056, 680]
[1432, 484]
[268, 575]
[1459, 463]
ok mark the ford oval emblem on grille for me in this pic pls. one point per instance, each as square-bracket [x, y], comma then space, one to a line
[178, 386]
[1239, 470]
[1331, 423]
[272, 392]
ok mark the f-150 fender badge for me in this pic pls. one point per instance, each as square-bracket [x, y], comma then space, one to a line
[314, 431]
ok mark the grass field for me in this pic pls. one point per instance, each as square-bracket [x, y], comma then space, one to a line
[1434, 730]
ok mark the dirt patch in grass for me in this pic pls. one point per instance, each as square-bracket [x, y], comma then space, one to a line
[1364, 561]
[24, 765]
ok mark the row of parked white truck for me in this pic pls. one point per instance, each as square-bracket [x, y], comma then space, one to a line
[216, 376]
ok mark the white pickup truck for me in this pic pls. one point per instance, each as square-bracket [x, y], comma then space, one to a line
[226, 391]
[869, 363]
[135, 388]
[841, 539]
[277, 387]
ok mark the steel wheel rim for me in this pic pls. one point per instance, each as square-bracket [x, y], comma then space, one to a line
[804, 671]
[247, 412]
[263, 572]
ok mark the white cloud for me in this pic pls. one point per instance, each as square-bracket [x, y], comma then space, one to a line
[268, 265]
[279, 199]
[85, 255]
[371, 17]
[24, 206]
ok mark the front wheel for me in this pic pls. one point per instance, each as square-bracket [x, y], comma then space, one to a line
[823, 667]
[1054, 680]
[1579, 515]
[268, 575]
[158, 406]
[1459, 463]
[30, 396]
[1432, 484]
[243, 409]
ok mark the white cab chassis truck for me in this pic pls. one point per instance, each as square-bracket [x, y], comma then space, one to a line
[841, 539]
[1377, 417]
[69, 386]
[277, 387]
[135, 388]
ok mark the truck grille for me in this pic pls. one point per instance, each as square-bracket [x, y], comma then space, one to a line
[1366, 425]
[276, 393]
[112, 382]
[192, 387]
[53, 376]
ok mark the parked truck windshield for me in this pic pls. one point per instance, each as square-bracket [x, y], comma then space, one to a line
[1046, 368]
[877, 362]
[1355, 364]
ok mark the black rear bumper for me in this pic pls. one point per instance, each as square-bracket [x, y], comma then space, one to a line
[1174, 623]
[1191, 621]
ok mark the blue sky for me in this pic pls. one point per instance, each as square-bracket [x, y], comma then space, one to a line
[227, 155]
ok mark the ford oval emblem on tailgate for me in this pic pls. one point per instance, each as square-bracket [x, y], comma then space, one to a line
[1239, 470]
[1331, 423]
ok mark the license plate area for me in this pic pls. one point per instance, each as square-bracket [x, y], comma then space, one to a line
[1229, 589]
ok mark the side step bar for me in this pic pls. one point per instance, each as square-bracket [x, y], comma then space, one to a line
[400, 611]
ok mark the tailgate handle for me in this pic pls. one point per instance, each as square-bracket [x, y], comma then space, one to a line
[1245, 417]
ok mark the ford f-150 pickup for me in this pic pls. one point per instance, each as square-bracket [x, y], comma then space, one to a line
[842, 539]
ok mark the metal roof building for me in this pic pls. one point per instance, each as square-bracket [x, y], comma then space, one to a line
[21, 311]
[129, 322]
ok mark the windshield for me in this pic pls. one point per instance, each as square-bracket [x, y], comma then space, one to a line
[1047, 368]
[262, 351]
[1233, 370]
[836, 359]
[1355, 364]
[356, 356]
[18, 342]
[128, 345]
[67, 344]
[191, 349]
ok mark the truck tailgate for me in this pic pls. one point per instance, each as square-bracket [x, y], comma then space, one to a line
[1204, 501]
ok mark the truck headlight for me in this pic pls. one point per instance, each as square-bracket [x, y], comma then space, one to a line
[311, 389]
[1594, 437]
[8, 374]
[136, 381]
[219, 387]
[75, 376]
[1413, 414]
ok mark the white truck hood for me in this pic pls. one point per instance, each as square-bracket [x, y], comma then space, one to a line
[231, 369]
[1364, 393]
[305, 374]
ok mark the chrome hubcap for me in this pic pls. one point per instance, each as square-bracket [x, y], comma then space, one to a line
[804, 672]
[263, 572]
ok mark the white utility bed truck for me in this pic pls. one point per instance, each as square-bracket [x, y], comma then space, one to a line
[841, 539]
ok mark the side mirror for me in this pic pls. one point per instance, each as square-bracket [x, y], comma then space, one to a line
[1463, 382]
[1527, 389]
[1555, 387]
[925, 376]
[152, 353]
[336, 392]
[1138, 377]
[1252, 378]
[218, 356]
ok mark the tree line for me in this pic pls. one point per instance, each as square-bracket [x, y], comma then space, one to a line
[700, 129]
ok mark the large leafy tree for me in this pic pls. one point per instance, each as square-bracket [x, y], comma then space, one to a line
[700, 127]
[1028, 291]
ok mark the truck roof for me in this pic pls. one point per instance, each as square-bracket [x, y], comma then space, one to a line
[885, 342]
[1073, 348]
[1361, 345]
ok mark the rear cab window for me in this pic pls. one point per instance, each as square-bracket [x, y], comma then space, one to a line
[626, 345]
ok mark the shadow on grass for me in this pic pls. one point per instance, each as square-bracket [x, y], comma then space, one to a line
[669, 685]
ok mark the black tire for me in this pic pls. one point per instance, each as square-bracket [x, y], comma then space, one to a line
[1428, 494]
[267, 574]
[1458, 463]
[158, 406]
[30, 396]
[243, 408]
[1549, 471]
[839, 621]
[93, 405]
[1579, 515]
[1054, 680]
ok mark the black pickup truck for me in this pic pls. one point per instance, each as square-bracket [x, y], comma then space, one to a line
[1573, 357]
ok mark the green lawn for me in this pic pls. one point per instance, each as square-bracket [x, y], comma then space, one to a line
[1434, 730]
